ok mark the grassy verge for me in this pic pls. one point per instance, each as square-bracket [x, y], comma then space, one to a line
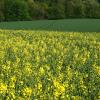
[71, 25]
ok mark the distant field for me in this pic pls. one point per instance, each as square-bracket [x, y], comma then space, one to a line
[44, 65]
[76, 25]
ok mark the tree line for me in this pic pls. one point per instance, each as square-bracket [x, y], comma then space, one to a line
[16, 10]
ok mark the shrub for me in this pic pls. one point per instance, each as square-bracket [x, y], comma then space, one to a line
[16, 10]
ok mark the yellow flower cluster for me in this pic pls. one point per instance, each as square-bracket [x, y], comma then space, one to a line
[27, 92]
[59, 88]
[44, 65]
[97, 69]
[3, 88]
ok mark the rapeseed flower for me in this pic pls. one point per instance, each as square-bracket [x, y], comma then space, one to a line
[49, 65]
[59, 88]
[27, 91]
[13, 78]
[3, 88]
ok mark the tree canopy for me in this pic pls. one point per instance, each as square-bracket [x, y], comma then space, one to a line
[15, 10]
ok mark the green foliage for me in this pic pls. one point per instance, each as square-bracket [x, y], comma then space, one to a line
[2, 10]
[16, 10]
[92, 9]
[38, 10]
[69, 11]
[79, 9]
[56, 12]
[48, 9]
[1, 16]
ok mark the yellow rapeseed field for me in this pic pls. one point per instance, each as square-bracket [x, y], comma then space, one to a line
[44, 65]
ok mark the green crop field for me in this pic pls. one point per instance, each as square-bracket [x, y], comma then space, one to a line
[49, 65]
[73, 25]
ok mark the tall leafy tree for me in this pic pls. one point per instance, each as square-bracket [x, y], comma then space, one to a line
[16, 10]
[11, 10]
[2, 10]
[56, 9]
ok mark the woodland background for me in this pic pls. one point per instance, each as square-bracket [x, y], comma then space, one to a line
[23, 10]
